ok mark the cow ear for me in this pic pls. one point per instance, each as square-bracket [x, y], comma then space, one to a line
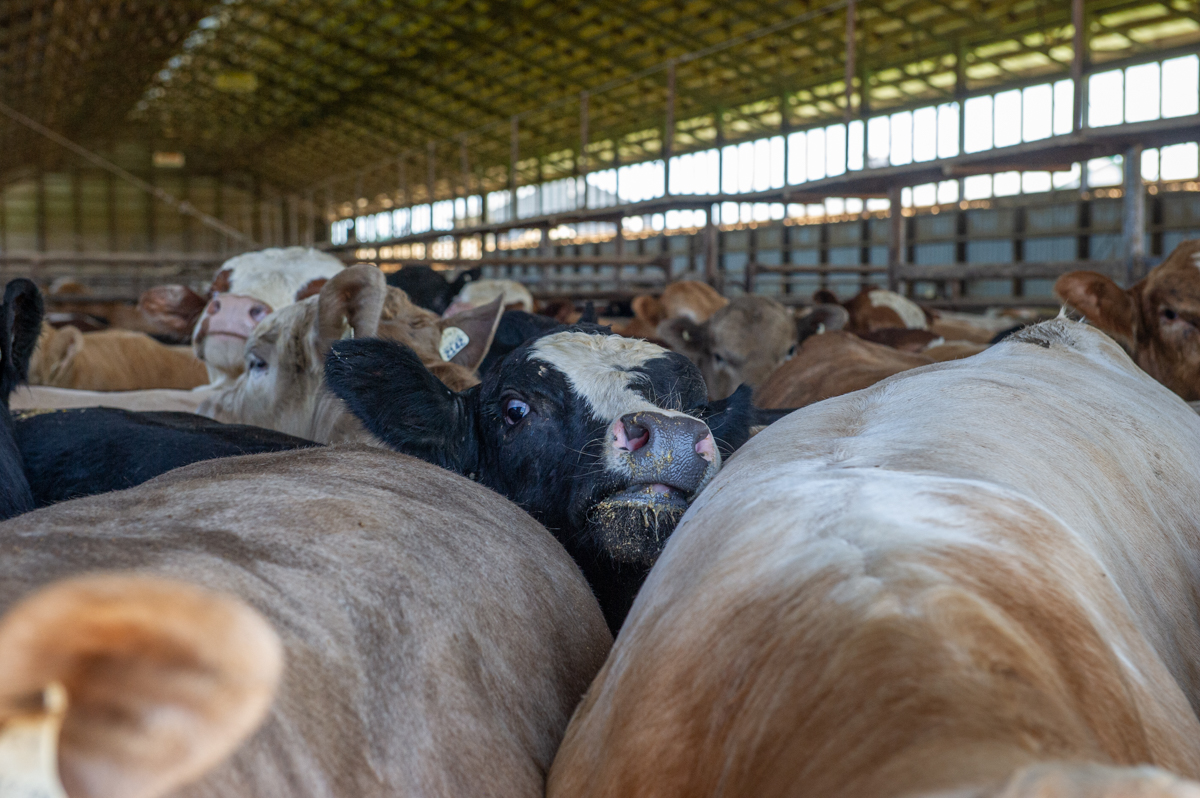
[730, 419]
[685, 336]
[311, 288]
[172, 309]
[162, 680]
[467, 336]
[23, 311]
[589, 315]
[824, 296]
[1101, 301]
[649, 309]
[822, 318]
[398, 400]
[354, 298]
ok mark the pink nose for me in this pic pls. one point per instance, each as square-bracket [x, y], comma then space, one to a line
[234, 314]
[706, 448]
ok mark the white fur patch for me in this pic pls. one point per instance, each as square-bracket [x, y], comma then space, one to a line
[598, 366]
[29, 750]
[908, 311]
[481, 292]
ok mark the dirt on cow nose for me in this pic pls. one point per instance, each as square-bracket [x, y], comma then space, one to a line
[670, 450]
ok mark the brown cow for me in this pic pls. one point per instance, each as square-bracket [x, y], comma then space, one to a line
[150, 683]
[690, 299]
[831, 365]
[741, 344]
[877, 309]
[282, 387]
[1157, 321]
[111, 360]
[435, 637]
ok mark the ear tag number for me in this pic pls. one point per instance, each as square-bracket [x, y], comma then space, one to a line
[29, 749]
[454, 341]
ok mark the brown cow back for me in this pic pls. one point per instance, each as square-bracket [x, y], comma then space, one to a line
[111, 360]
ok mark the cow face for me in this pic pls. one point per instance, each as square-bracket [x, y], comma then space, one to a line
[603, 439]
[741, 344]
[1157, 321]
[282, 385]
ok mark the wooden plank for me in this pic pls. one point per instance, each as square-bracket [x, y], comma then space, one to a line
[1000, 271]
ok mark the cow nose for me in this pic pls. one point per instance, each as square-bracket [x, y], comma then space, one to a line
[214, 307]
[677, 451]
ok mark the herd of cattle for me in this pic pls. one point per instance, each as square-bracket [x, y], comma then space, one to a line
[331, 533]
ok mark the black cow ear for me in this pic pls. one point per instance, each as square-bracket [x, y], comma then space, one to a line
[399, 401]
[22, 326]
[730, 420]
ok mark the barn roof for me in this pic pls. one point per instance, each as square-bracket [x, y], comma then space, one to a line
[346, 95]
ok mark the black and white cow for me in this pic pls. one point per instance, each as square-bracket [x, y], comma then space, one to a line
[603, 439]
[429, 289]
[20, 324]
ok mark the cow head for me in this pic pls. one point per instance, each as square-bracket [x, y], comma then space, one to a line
[281, 386]
[245, 291]
[603, 439]
[740, 344]
[22, 320]
[1157, 321]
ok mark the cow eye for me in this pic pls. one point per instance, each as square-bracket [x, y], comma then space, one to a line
[791, 353]
[1169, 314]
[717, 357]
[514, 411]
[255, 363]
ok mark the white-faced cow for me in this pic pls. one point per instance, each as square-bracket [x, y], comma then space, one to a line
[1157, 321]
[435, 637]
[282, 386]
[604, 439]
[977, 578]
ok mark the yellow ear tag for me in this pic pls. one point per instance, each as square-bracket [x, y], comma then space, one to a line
[29, 749]
[454, 341]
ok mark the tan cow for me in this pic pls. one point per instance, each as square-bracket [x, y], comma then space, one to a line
[684, 299]
[111, 360]
[1157, 321]
[976, 580]
[282, 387]
[128, 685]
[741, 344]
[435, 637]
[830, 365]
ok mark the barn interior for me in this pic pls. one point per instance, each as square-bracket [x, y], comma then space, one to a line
[962, 152]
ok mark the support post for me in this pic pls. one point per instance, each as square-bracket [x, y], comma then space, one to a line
[1078, 62]
[514, 154]
[465, 163]
[430, 172]
[851, 54]
[896, 243]
[583, 144]
[710, 249]
[1134, 217]
[669, 130]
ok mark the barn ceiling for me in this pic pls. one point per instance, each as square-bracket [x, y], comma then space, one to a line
[351, 97]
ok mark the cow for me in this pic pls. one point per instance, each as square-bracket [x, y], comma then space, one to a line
[20, 323]
[128, 685]
[111, 360]
[170, 400]
[282, 385]
[876, 309]
[81, 452]
[743, 343]
[66, 298]
[603, 439]
[429, 289]
[689, 299]
[1157, 320]
[974, 579]
[483, 292]
[830, 365]
[435, 637]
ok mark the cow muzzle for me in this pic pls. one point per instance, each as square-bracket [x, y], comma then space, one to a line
[233, 314]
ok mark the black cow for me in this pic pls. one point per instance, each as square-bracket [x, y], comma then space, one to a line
[603, 439]
[429, 289]
[73, 453]
[22, 322]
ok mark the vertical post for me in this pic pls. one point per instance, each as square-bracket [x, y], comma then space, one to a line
[39, 211]
[1078, 62]
[465, 163]
[310, 234]
[1134, 217]
[896, 243]
[583, 144]
[851, 54]
[710, 248]
[669, 131]
[514, 154]
[77, 210]
[430, 173]
[785, 131]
